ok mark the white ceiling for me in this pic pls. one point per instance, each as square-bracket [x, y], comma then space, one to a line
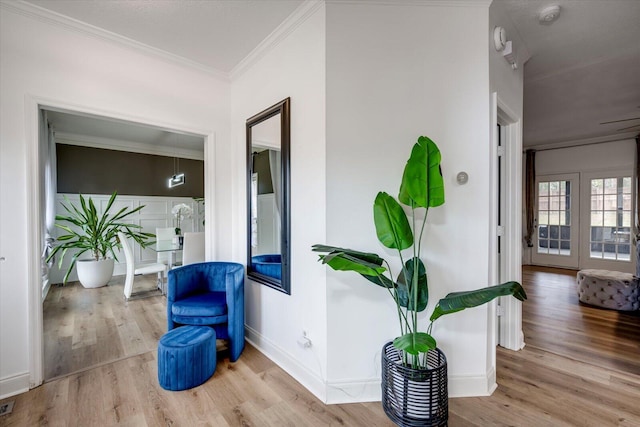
[584, 68]
[108, 132]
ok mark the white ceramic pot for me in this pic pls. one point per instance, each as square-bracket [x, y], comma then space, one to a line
[94, 274]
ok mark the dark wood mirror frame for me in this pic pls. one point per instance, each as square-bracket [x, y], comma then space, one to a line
[282, 108]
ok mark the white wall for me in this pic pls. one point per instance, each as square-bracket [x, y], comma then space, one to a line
[391, 77]
[294, 68]
[615, 155]
[61, 64]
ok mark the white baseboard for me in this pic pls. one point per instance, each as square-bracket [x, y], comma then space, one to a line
[355, 390]
[10, 386]
[472, 385]
[288, 363]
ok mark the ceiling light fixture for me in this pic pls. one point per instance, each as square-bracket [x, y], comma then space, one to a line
[549, 14]
[177, 178]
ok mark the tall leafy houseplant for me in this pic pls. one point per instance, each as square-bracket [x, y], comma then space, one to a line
[422, 188]
[93, 232]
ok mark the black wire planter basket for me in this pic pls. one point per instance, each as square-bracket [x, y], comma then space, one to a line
[415, 397]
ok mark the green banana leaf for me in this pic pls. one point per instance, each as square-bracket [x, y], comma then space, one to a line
[342, 259]
[422, 182]
[415, 343]
[421, 295]
[458, 301]
[392, 225]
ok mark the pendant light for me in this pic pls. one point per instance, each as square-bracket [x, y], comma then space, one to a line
[178, 177]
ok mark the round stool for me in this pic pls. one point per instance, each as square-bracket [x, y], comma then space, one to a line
[186, 357]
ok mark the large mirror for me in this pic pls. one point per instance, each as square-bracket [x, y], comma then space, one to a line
[268, 226]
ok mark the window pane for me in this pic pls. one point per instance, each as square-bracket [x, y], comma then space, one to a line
[626, 202]
[543, 217]
[610, 218]
[610, 186]
[554, 188]
[596, 219]
[610, 202]
[554, 203]
[596, 186]
[596, 234]
[554, 217]
[596, 203]
[563, 188]
[626, 185]
[543, 188]
[565, 218]
[543, 203]
[626, 219]
[543, 247]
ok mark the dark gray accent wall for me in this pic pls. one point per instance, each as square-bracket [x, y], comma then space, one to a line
[89, 170]
[263, 169]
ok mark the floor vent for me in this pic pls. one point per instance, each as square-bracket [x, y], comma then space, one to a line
[6, 408]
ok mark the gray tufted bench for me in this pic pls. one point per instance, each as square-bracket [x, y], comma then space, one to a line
[609, 289]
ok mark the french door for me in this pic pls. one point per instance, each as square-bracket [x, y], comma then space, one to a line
[606, 228]
[557, 236]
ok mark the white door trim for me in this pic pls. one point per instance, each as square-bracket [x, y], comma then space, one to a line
[510, 322]
[34, 243]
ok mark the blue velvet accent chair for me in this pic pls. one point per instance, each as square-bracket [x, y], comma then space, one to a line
[209, 293]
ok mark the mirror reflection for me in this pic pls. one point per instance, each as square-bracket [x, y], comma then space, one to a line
[267, 188]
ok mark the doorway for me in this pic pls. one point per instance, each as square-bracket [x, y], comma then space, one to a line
[506, 262]
[36, 204]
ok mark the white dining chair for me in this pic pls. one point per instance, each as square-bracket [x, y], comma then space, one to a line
[193, 248]
[132, 270]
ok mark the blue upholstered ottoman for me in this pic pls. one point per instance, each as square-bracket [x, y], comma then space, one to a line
[186, 357]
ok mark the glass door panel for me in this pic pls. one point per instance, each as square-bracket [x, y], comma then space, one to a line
[610, 219]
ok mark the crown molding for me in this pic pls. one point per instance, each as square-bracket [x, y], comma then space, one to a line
[430, 3]
[61, 21]
[585, 141]
[130, 146]
[293, 21]
[309, 7]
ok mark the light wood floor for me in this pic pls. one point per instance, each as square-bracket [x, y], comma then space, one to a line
[573, 383]
[89, 327]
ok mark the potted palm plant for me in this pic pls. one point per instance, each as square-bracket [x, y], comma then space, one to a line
[414, 377]
[97, 234]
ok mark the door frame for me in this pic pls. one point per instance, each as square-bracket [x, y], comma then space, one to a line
[510, 334]
[33, 104]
